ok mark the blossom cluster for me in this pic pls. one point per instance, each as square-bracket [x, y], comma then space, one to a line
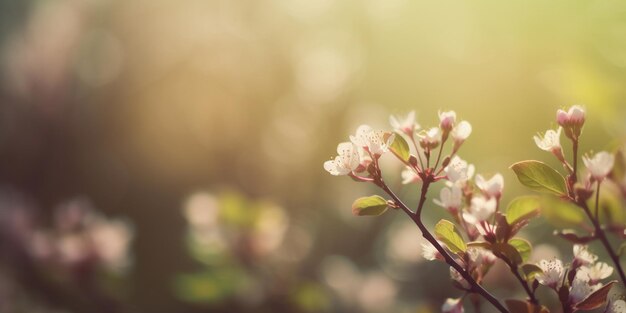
[83, 237]
[481, 233]
[368, 144]
[578, 280]
[572, 121]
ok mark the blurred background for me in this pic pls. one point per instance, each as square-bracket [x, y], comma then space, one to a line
[166, 156]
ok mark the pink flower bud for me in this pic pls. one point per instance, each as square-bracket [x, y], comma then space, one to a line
[447, 120]
[572, 121]
[574, 117]
[562, 118]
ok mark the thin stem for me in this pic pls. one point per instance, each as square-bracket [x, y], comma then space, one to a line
[531, 295]
[599, 232]
[597, 215]
[416, 217]
[575, 158]
[417, 151]
[439, 155]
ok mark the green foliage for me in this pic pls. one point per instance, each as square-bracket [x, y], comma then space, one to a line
[522, 246]
[561, 213]
[400, 147]
[540, 177]
[507, 251]
[310, 297]
[235, 210]
[522, 208]
[530, 270]
[210, 256]
[369, 206]
[446, 232]
[479, 244]
[210, 286]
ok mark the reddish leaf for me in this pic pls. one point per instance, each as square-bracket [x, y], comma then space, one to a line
[503, 230]
[570, 236]
[596, 299]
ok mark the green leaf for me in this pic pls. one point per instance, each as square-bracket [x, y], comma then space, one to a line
[479, 244]
[507, 251]
[539, 176]
[561, 213]
[445, 231]
[522, 246]
[530, 270]
[369, 206]
[521, 207]
[400, 147]
[596, 299]
[210, 286]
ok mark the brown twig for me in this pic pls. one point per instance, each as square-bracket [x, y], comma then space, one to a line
[416, 218]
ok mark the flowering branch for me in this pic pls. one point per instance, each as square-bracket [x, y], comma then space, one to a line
[599, 167]
[600, 234]
[416, 218]
[475, 207]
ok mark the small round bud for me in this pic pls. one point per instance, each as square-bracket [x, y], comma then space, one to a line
[572, 121]
[447, 120]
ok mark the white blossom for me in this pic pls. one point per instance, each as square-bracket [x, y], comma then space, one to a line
[481, 256]
[583, 256]
[452, 305]
[616, 306]
[575, 116]
[458, 170]
[111, 240]
[406, 124]
[550, 141]
[460, 133]
[552, 272]
[447, 120]
[597, 271]
[409, 176]
[372, 140]
[431, 138]
[581, 288]
[429, 252]
[600, 164]
[450, 198]
[456, 276]
[345, 162]
[492, 187]
[480, 209]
